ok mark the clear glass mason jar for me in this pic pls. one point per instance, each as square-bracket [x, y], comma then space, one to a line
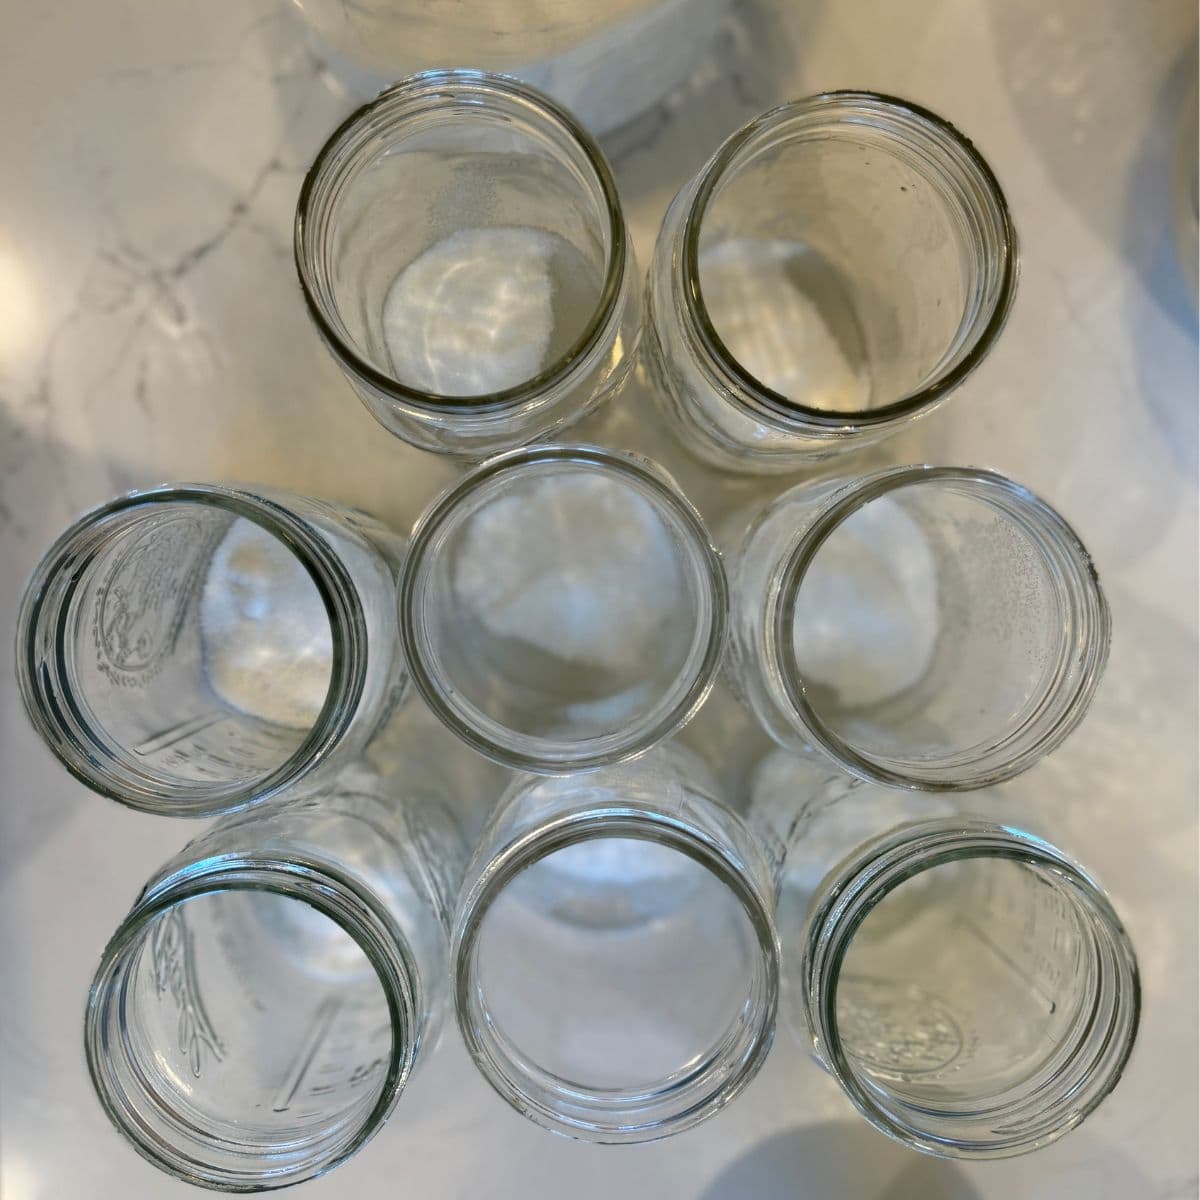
[194, 649]
[462, 252]
[837, 268]
[562, 608]
[606, 62]
[925, 627]
[615, 960]
[969, 987]
[255, 1017]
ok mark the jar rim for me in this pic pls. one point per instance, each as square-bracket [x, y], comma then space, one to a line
[1017, 502]
[448, 87]
[865, 877]
[66, 730]
[330, 892]
[660, 1111]
[542, 755]
[888, 114]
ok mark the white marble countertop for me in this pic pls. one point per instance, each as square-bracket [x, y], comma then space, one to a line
[151, 329]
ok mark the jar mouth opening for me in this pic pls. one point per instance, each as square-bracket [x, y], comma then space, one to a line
[848, 114]
[1066, 697]
[614, 1115]
[671, 707]
[168, 1134]
[472, 92]
[1095, 1052]
[64, 721]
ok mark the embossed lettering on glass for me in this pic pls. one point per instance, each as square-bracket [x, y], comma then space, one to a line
[969, 987]
[562, 608]
[258, 1012]
[191, 650]
[928, 627]
[615, 961]
[837, 269]
[462, 252]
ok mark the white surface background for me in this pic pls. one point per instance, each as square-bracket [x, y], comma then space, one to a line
[151, 329]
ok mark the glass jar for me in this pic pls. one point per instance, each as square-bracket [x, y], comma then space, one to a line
[257, 1014]
[608, 62]
[194, 649]
[615, 960]
[562, 608]
[925, 627]
[837, 268]
[462, 252]
[969, 987]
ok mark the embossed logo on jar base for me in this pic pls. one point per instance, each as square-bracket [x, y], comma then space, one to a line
[896, 1028]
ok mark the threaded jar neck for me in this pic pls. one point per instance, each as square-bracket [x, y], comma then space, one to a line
[1048, 619]
[180, 1068]
[618, 1112]
[563, 608]
[115, 579]
[491, 106]
[926, 146]
[1052, 934]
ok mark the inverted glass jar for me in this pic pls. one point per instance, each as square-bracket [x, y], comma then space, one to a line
[195, 649]
[615, 960]
[258, 1012]
[969, 987]
[462, 252]
[837, 268]
[607, 63]
[925, 627]
[562, 608]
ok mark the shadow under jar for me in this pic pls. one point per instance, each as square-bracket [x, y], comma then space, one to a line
[462, 252]
[258, 1012]
[836, 269]
[615, 960]
[195, 649]
[562, 608]
[926, 627]
[969, 987]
